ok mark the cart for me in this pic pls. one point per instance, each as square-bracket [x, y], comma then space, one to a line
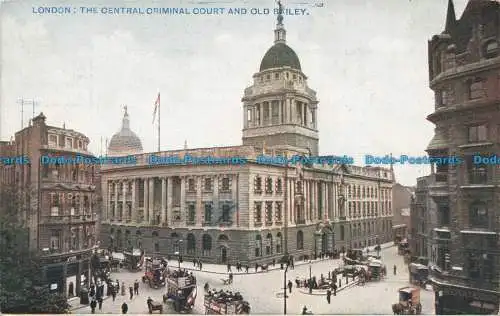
[155, 306]
[217, 306]
[409, 302]
[181, 290]
[375, 271]
[134, 259]
[155, 273]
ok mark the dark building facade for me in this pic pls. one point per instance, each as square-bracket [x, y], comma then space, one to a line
[401, 201]
[423, 218]
[464, 72]
[62, 196]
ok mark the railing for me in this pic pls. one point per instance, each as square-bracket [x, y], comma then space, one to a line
[478, 176]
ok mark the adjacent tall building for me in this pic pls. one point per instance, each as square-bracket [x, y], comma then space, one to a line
[464, 73]
[255, 211]
[62, 196]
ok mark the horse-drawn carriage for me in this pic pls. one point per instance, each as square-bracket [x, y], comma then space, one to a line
[418, 274]
[134, 259]
[375, 271]
[155, 306]
[181, 290]
[224, 303]
[155, 272]
[409, 302]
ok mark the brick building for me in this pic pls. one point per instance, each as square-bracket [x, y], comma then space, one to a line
[252, 212]
[62, 196]
[464, 73]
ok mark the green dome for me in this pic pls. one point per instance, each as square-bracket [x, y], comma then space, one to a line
[280, 55]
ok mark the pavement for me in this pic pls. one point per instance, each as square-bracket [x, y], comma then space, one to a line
[264, 290]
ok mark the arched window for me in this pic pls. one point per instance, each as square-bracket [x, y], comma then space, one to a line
[207, 244]
[478, 215]
[279, 241]
[191, 244]
[300, 240]
[269, 244]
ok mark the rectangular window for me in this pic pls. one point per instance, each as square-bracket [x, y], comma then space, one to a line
[191, 213]
[477, 134]
[191, 185]
[249, 115]
[52, 140]
[69, 143]
[208, 213]
[279, 186]
[257, 185]
[208, 185]
[226, 215]
[477, 173]
[478, 215]
[269, 212]
[278, 215]
[226, 184]
[258, 212]
[475, 89]
[269, 185]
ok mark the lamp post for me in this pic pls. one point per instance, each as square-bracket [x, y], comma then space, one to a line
[284, 290]
[310, 278]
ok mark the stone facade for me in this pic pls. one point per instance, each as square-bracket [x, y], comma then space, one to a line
[226, 213]
[401, 200]
[464, 69]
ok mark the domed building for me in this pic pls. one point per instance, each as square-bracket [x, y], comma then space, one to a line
[280, 109]
[125, 142]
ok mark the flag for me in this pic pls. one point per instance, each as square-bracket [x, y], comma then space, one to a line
[157, 104]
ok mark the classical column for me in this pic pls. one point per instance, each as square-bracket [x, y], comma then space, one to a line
[183, 198]
[261, 108]
[306, 199]
[145, 213]
[163, 200]
[124, 200]
[170, 190]
[304, 114]
[134, 203]
[280, 105]
[199, 205]
[270, 116]
[115, 200]
[151, 212]
[325, 200]
[292, 201]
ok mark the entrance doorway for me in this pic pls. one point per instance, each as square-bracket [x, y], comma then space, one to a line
[324, 243]
[223, 254]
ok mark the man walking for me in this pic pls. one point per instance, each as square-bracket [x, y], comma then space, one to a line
[136, 287]
[131, 290]
[113, 292]
[335, 289]
[328, 296]
[395, 269]
[290, 285]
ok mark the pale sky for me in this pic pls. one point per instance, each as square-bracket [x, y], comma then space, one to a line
[367, 60]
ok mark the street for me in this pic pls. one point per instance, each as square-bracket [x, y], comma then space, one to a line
[264, 290]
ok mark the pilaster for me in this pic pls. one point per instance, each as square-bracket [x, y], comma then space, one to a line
[115, 200]
[183, 198]
[151, 200]
[163, 200]
[307, 184]
[124, 201]
[261, 109]
[170, 190]
[134, 203]
[145, 213]
[199, 204]
[292, 201]
[280, 105]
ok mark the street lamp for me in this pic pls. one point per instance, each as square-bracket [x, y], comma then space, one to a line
[310, 278]
[284, 290]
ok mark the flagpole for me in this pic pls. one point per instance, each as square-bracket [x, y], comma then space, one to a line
[159, 106]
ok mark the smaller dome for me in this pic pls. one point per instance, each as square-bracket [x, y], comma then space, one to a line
[280, 55]
[125, 142]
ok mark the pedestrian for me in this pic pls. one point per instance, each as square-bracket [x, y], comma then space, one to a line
[340, 282]
[246, 268]
[93, 305]
[124, 308]
[131, 290]
[334, 289]
[274, 262]
[328, 296]
[228, 267]
[92, 290]
[123, 289]
[200, 265]
[113, 292]
[395, 269]
[136, 287]
[256, 267]
[194, 263]
[290, 284]
[100, 303]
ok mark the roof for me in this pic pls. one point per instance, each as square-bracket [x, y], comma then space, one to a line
[125, 141]
[280, 55]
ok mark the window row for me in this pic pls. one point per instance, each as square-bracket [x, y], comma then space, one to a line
[225, 184]
[368, 208]
[273, 212]
[475, 89]
[360, 192]
[277, 76]
[66, 142]
[270, 185]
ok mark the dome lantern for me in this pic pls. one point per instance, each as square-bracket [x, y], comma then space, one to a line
[125, 142]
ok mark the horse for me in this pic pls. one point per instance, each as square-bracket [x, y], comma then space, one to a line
[397, 309]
